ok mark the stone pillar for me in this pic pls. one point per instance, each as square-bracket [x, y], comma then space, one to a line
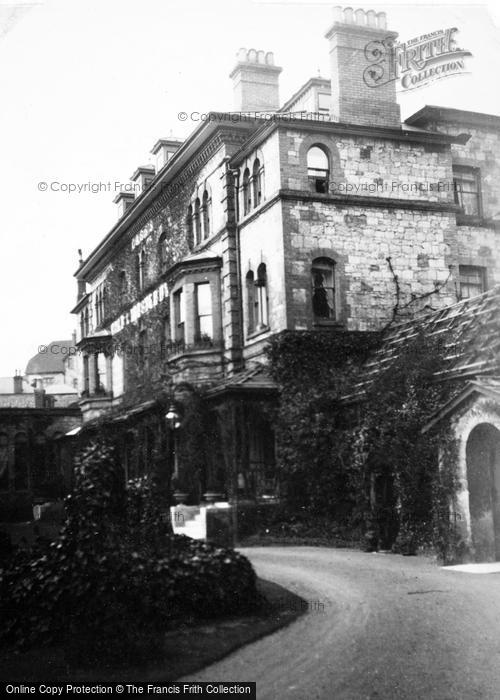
[109, 374]
[93, 373]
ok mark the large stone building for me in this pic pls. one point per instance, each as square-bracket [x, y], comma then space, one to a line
[298, 219]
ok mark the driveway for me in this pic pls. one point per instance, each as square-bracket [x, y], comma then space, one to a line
[378, 626]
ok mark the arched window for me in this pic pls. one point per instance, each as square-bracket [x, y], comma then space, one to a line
[323, 288]
[250, 287]
[207, 214]
[189, 226]
[257, 183]
[21, 468]
[140, 265]
[162, 251]
[122, 283]
[197, 222]
[104, 302]
[247, 195]
[318, 169]
[261, 296]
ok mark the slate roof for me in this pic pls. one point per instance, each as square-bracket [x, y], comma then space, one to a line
[469, 331]
[52, 360]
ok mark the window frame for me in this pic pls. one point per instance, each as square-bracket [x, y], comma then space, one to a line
[324, 264]
[476, 176]
[318, 182]
[206, 211]
[482, 277]
[199, 316]
[257, 172]
[179, 315]
[247, 192]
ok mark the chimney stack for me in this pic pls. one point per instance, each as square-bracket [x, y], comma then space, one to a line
[18, 383]
[361, 55]
[255, 82]
[39, 393]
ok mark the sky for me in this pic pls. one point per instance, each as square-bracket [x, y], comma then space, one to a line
[86, 89]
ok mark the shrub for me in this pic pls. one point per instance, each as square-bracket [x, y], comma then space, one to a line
[106, 586]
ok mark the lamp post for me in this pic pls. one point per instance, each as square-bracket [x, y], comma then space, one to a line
[173, 423]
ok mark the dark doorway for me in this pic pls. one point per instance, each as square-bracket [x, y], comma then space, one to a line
[483, 476]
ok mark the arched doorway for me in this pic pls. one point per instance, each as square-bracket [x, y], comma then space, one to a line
[483, 476]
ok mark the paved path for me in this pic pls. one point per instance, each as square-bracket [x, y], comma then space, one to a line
[378, 626]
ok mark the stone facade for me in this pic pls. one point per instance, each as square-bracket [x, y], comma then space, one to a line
[259, 225]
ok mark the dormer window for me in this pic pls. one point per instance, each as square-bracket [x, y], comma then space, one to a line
[318, 169]
[324, 100]
[142, 178]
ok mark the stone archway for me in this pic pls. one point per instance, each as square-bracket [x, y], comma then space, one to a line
[483, 478]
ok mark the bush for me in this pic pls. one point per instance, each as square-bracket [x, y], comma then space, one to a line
[106, 586]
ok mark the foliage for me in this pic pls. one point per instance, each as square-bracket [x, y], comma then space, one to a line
[366, 465]
[396, 466]
[114, 578]
[313, 371]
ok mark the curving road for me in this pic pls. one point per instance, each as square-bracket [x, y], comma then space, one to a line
[378, 626]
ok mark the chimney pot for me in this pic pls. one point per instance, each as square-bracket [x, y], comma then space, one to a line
[371, 18]
[338, 15]
[348, 15]
[360, 17]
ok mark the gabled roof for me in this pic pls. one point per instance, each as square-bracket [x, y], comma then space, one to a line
[469, 331]
[483, 386]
